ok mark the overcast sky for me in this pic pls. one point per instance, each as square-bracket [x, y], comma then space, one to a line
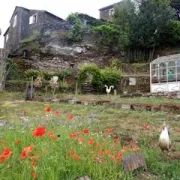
[60, 8]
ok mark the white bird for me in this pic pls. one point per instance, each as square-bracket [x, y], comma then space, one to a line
[108, 90]
[164, 139]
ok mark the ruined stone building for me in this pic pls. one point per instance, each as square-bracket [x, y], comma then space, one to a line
[107, 12]
[25, 22]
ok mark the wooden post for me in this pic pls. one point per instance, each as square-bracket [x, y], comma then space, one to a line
[32, 88]
[76, 91]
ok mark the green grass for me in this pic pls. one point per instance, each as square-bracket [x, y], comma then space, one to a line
[55, 165]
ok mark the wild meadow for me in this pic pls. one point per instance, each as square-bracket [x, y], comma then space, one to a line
[65, 142]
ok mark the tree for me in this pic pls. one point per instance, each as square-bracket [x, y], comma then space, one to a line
[77, 31]
[106, 36]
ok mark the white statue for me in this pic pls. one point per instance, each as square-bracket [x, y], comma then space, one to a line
[108, 90]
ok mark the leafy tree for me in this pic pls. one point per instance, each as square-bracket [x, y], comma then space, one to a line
[106, 36]
[77, 31]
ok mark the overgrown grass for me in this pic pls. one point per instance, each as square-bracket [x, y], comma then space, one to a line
[56, 164]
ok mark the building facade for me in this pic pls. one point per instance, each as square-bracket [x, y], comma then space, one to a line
[107, 12]
[24, 22]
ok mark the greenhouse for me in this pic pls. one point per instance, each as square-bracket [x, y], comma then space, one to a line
[165, 74]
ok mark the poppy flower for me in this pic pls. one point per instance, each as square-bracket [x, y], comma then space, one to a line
[71, 153]
[33, 164]
[109, 130]
[80, 140]
[107, 152]
[57, 112]
[86, 131]
[120, 154]
[53, 138]
[125, 148]
[116, 140]
[48, 109]
[135, 148]
[97, 145]
[25, 112]
[40, 131]
[17, 142]
[76, 157]
[91, 141]
[23, 155]
[70, 117]
[51, 134]
[74, 134]
[145, 126]
[118, 159]
[6, 153]
[34, 175]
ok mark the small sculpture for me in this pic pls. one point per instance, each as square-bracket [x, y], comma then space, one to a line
[164, 140]
[108, 90]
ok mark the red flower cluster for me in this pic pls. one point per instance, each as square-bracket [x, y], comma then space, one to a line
[40, 131]
[26, 151]
[75, 156]
[57, 112]
[70, 117]
[6, 154]
[86, 131]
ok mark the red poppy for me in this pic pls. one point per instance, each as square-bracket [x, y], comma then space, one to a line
[7, 153]
[23, 155]
[125, 148]
[51, 134]
[57, 112]
[86, 131]
[116, 140]
[70, 117]
[118, 159]
[135, 148]
[107, 152]
[97, 145]
[33, 164]
[53, 138]
[71, 153]
[74, 134]
[145, 126]
[80, 140]
[25, 112]
[76, 157]
[34, 175]
[48, 109]
[109, 130]
[17, 142]
[100, 153]
[120, 154]
[91, 141]
[40, 131]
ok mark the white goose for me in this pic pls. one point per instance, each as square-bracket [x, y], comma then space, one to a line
[164, 139]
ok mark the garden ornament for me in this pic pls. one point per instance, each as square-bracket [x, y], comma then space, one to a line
[164, 140]
[108, 90]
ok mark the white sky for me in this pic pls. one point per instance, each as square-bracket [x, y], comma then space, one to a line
[61, 8]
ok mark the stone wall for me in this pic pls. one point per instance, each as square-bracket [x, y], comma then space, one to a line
[142, 84]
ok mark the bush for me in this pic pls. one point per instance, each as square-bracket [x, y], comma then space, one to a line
[93, 70]
[110, 76]
[32, 73]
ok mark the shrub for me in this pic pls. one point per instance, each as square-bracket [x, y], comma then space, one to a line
[35, 35]
[32, 73]
[93, 70]
[110, 76]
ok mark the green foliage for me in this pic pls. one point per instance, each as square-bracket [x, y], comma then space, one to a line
[32, 73]
[93, 70]
[35, 35]
[110, 76]
[106, 36]
[14, 71]
[76, 32]
[64, 74]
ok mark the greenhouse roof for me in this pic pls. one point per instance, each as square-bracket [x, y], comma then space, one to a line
[173, 57]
